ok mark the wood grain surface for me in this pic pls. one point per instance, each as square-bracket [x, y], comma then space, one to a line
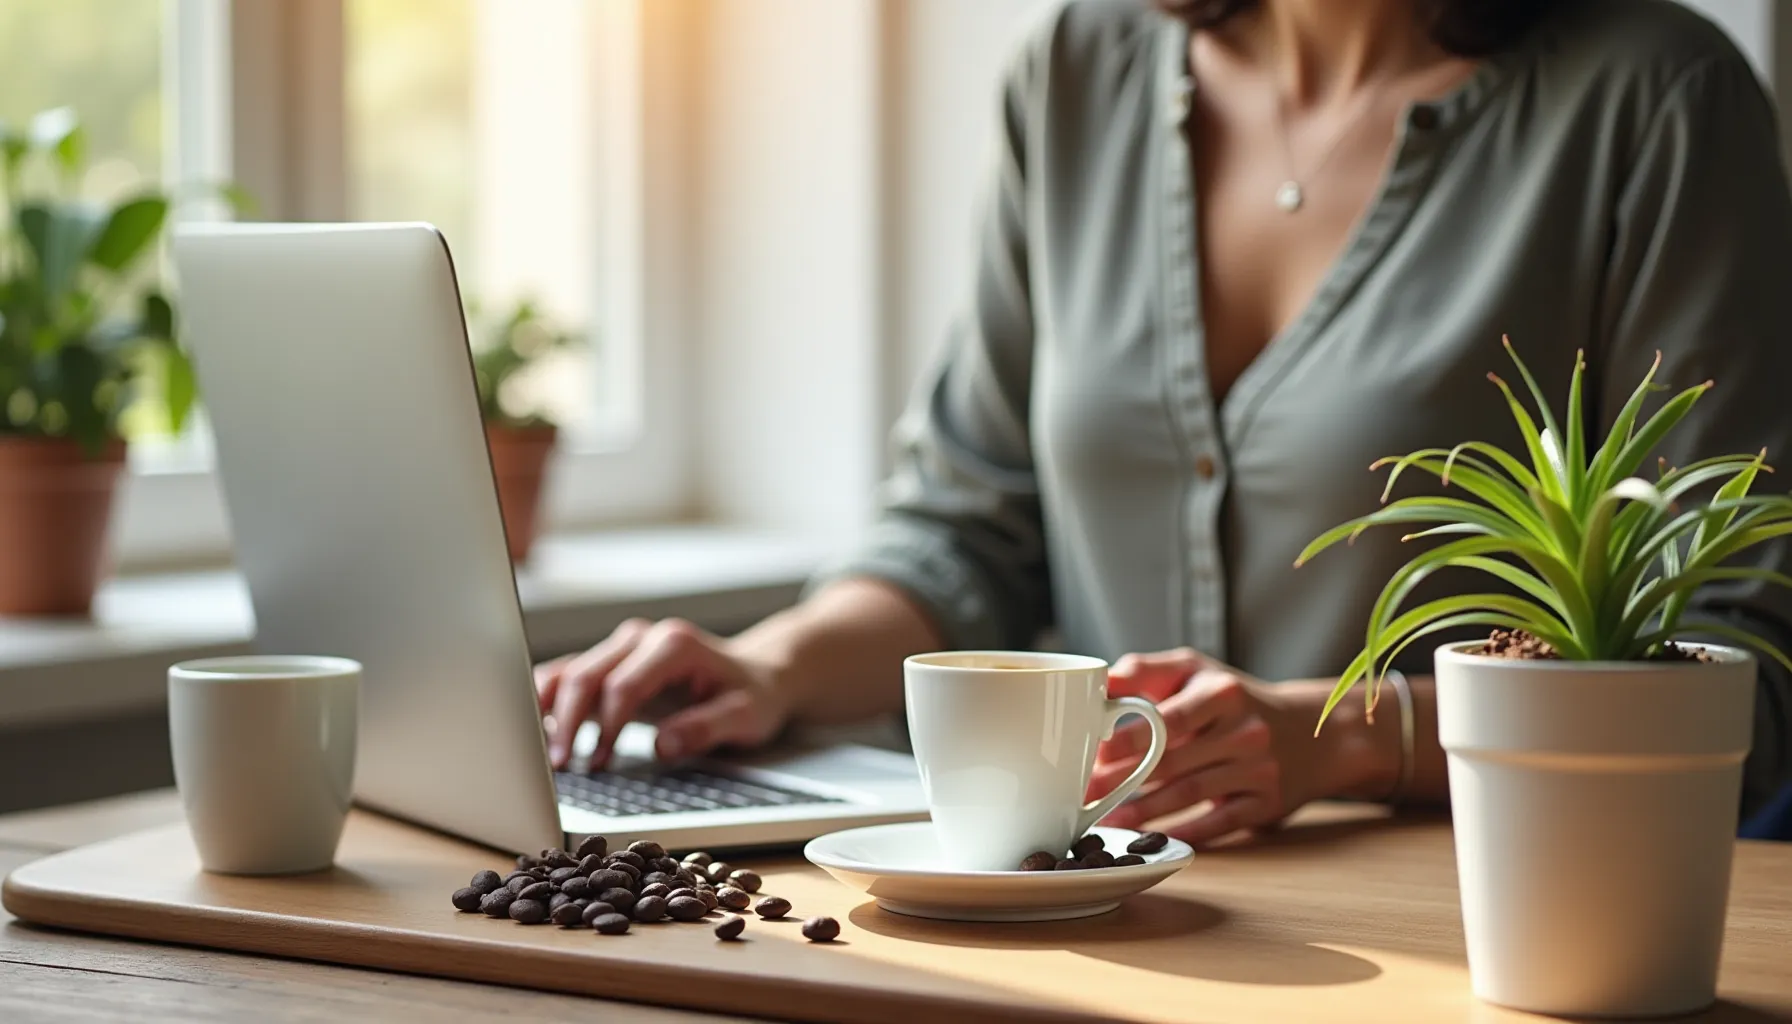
[1349, 921]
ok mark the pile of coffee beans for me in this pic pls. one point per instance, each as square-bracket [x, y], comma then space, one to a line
[1090, 852]
[608, 892]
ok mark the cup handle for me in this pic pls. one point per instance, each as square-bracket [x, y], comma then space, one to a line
[1160, 740]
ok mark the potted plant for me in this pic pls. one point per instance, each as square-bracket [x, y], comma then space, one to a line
[520, 439]
[82, 333]
[1595, 761]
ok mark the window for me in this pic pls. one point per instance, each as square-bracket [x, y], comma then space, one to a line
[476, 115]
[510, 124]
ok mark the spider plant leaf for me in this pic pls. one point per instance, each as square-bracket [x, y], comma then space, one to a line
[1595, 546]
[1516, 576]
[1405, 579]
[1630, 458]
[1717, 519]
[1639, 610]
[1562, 527]
[1442, 511]
[1547, 480]
[1530, 383]
[1497, 492]
[1576, 454]
[1523, 477]
[1623, 426]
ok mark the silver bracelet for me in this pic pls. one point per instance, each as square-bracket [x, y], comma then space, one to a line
[1403, 691]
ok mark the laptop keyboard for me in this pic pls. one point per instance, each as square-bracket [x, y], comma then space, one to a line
[655, 790]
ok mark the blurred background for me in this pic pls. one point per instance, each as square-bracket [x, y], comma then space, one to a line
[752, 220]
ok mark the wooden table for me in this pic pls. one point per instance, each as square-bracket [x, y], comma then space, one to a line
[48, 975]
[1329, 920]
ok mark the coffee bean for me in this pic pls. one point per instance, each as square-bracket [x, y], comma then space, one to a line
[467, 900]
[650, 908]
[664, 865]
[718, 871]
[610, 924]
[518, 882]
[593, 846]
[578, 887]
[631, 858]
[686, 908]
[1069, 865]
[497, 903]
[1085, 846]
[1040, 861]
[540, 872]
[486, 881]
[557, 901]
[730, 927]
[733, 897]
[590, 863]
[568, 915]
[1127, 860]
[658, 878]
[821, 929]
[610, 878]
[772, 907]
[526, 861]
[539, 892]
[528, 912]
[1099, 859]
[683, 890]
[590, 912]
[745, 879]
[562, 874]
[687, 876]
[557, 858]
[633, 873]
[655, 889]
[699, 858]
[1148, 842]
[646, 849]
[708, 896]
[622, 899]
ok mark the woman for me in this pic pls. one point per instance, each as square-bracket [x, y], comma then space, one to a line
[1234, 251]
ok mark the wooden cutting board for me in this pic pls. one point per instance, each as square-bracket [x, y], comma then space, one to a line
[1353, 921]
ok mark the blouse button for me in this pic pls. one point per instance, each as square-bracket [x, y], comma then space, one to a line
[1423, 118]
[1204, 467]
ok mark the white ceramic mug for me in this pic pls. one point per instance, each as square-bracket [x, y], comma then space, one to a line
[1006, 743]
[264, 756]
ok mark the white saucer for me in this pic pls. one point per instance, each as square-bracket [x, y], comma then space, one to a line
[895, 864]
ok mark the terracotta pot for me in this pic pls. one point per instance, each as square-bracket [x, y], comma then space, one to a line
[55, 505]
[519, 464]
[1594, 806]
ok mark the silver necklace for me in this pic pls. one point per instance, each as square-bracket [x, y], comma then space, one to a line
[1291, 194]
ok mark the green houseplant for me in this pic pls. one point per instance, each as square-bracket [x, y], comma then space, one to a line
[84, 333]
[520, 439]
[1595, 762]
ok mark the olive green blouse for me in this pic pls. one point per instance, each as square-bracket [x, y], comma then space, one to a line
[1611, 183]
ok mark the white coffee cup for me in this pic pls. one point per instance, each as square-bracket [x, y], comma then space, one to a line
[264, 756]
[1006, 743]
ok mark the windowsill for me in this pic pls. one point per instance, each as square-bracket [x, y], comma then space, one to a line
[575, 589]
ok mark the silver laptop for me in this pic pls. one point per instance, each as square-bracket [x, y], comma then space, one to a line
[334, 365]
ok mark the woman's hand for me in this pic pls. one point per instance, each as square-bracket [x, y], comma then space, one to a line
[735, 697]
[1243, 748]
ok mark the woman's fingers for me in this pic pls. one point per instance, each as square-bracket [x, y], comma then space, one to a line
[547, 680]
[580, 683]
[1212, 698]
[1220, 782]
[1153, 676]
[1229, 815]
[1246, 737]
[731, 717]
[669, 651]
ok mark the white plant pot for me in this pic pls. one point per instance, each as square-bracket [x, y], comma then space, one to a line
[1594, 808]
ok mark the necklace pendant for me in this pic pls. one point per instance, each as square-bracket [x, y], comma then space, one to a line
[1290, 197]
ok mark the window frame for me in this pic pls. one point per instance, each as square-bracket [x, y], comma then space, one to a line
[257, 96]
